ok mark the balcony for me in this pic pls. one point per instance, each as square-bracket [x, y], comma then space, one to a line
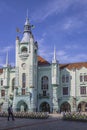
[40, 96]
[23, 55]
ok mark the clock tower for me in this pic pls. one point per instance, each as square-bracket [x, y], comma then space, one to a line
[26, 70]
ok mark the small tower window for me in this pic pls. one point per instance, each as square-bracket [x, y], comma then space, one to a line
[24, 50]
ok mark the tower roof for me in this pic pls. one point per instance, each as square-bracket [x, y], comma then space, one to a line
[27, 31]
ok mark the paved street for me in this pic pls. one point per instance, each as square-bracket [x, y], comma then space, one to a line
[53, 123]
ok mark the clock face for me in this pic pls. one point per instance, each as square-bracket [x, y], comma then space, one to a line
[23, 65]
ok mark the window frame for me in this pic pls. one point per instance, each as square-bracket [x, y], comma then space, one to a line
[44, 83]
[66, 91]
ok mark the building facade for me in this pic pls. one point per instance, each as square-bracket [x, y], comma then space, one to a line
[35, 84]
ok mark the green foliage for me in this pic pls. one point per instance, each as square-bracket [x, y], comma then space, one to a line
[32, 115]
[75, 116]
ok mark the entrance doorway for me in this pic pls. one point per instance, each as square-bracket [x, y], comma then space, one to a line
[45, 107]
[82, 106]
[65, 107]
[22, 106]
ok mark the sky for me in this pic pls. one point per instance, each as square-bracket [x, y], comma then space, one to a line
[59, 23]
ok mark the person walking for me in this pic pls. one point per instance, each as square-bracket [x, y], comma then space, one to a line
[10, 113]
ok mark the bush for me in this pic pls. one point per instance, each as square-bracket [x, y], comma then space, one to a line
[75, 116]
[32, 115]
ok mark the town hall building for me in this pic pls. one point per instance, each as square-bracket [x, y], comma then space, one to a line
[35, 84]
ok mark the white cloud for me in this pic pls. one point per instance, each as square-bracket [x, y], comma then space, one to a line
[6, 49]
[50, 8]
[61, 53]
[62, 56]
[1, 60]
[72, 23]
[3, 51]
[4, 7]
[54, 7]
[79, 57]
[67, 58]
[73, 46]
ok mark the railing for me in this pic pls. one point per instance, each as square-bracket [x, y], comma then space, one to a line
[43, 96]
[23, 55]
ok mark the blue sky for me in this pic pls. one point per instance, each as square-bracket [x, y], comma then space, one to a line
[62, 23]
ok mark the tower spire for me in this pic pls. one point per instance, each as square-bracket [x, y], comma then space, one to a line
[7, 59]
[54, 56]
[27, 12]
[27, 34]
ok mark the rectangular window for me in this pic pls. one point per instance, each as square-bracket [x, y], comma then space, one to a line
[44, 83]
[83, 90]
[63, 78]
[23, 80]
[1, 82]
[67, 78]
[44, 93]
[65, 90]
[85, 77]
[2, 93]
[81, 78]
[23, 91]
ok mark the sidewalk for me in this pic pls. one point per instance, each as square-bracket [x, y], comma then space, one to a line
[55, 115]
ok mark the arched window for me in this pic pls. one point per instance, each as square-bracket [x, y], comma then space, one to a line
[13, 84]
[23, 80]
[24, 49]
[44, 82]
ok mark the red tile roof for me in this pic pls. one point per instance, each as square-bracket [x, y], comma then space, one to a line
[78, 65]
[1, 71]
[74, 65]
[42, 61]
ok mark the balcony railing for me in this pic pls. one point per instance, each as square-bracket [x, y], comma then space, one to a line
[43, 96]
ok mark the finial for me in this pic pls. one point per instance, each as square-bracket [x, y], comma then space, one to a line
[27, 12]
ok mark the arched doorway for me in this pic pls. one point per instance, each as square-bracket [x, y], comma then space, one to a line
[82, 106]
[45, 107]
[65, 107]
[22, 106]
